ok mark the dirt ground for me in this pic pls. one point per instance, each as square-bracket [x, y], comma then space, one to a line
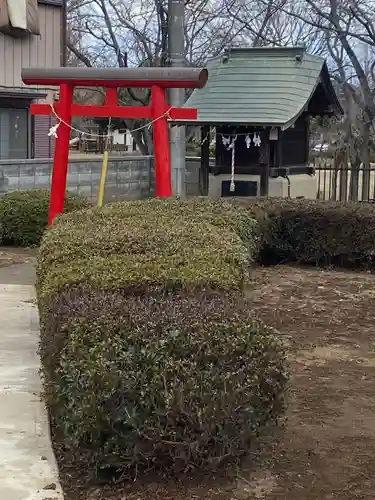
[17, 266]
[326, 447]
[9, 257]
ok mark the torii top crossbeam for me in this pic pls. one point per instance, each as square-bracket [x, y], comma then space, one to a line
[118, 77]
[158, 79]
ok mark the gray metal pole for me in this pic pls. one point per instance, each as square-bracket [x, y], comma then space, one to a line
[176, 48]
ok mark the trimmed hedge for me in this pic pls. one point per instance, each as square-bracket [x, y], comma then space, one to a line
[162, 245]
[151, 356]
[315, 232]
[220, 213]
[139, 247]
[168, 383]
[24, 215]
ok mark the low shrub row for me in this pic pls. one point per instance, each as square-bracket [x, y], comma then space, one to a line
[285, 230]
[151, 356]
[24, 215]
[315, 232]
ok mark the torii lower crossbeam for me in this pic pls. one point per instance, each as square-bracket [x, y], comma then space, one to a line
[133, 112]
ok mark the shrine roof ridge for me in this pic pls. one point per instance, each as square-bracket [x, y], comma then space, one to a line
[270, 86]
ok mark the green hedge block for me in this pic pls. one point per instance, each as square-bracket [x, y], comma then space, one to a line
[152, 359]
[315, 232]
[150, 244]
[24, 215]
[166, 383]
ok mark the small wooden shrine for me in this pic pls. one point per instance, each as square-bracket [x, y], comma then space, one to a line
[259, 102]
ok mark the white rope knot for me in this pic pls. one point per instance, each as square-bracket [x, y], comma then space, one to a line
[257, 140]
[226, 141]
[53, 130]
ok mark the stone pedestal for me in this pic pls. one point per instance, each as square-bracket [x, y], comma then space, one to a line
[301, 185]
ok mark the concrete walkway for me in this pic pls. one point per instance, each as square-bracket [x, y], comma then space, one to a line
[27, 465]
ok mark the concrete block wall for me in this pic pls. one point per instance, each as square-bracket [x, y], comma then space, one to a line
[192, 176]
[128, 177]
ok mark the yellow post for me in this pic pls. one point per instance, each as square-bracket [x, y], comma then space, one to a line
[104, 166]
[102, 178]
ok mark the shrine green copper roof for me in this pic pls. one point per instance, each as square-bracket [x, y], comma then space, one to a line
[261, 86]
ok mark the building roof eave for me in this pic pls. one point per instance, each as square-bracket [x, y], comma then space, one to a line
[326, 81]
[20, 93]
[218, 123]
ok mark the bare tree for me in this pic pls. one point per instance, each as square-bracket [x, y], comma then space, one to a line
[350, 42]
[270, 23]
[128, 32]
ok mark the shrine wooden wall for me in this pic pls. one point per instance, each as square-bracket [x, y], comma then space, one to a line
[254, 149]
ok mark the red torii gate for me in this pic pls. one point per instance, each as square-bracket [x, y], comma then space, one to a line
[158, 79]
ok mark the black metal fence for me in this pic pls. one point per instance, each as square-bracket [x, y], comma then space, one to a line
[340, 182]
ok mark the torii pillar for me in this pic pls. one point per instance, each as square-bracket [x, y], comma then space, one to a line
[157, 79]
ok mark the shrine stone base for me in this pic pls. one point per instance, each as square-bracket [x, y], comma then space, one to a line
[301, 185]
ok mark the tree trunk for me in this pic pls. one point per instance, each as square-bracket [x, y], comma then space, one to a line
[344, 171]
[366, 163]
[143, 140]
[355, 164]
[334, 178]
